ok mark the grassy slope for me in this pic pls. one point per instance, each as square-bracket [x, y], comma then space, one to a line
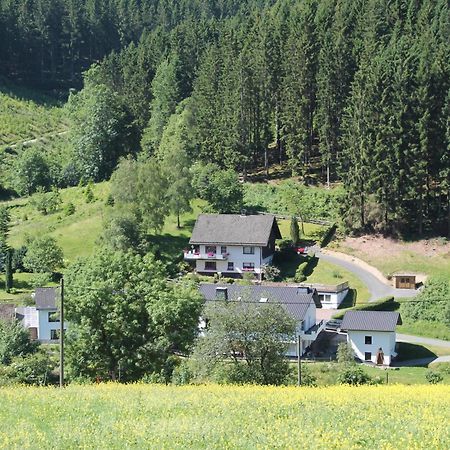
[207, 417]
[22, 118]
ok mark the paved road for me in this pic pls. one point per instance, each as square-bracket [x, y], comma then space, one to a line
[423, 340]
[376, 288]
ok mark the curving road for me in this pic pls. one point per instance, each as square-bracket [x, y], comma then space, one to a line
[377, 288]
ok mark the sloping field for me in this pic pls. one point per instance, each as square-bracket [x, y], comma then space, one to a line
[206, 417]
[23, 120]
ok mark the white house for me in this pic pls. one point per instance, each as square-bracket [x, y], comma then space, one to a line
[232, 244]
[330, 296]
[372, 334]
[42, 320]
[300, 303]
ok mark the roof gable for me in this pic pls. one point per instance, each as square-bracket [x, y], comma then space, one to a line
[371, 321]
[234, 229]
[45, 298]
[295, 301]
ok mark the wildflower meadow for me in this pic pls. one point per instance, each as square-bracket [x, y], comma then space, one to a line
[206, 417]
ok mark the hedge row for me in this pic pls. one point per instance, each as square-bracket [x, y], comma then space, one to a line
[385, 304]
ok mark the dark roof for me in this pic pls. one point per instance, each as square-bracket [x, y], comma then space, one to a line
[234, 229]
[371, 321]
[7, 311]
[295, 301]
[45, 298]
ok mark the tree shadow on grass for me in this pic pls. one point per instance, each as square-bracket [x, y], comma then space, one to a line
[170, 245]
[407, 351]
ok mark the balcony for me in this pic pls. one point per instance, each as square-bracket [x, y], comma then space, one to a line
[314, 331]
[192, 255]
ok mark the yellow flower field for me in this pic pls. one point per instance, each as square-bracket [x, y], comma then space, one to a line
[206, 417]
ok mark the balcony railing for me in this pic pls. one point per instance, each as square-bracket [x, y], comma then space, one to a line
[193, 255]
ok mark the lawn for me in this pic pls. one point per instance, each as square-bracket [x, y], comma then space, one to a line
[428, 329]
[326, 373]
[212, 417]
[309, 231]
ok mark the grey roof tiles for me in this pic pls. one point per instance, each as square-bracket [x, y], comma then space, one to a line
[370, 321]
[295, 301]
[234, 229]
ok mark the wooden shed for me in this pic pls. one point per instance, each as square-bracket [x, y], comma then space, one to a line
[404, 280]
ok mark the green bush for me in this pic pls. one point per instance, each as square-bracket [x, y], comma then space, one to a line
[354, 375]
[69, 209]
[300, 272]
[433, 377]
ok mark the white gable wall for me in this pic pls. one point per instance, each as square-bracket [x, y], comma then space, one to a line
[380, 339]
[331, 300]
[45, 327]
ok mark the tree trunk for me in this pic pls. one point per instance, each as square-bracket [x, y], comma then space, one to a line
[178, 220]
[448, 212]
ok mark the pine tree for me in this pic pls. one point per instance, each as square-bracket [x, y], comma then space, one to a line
[165, 93]
[8, 271]
[295, 231]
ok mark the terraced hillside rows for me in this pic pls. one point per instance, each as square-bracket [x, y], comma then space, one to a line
[238, 417]
[23, 120]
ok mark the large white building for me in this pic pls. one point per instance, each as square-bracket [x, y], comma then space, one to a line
[42, 320]
[372, 334]
[232, 244]
[299, 303]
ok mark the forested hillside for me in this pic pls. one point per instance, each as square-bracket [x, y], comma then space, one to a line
[348, 91]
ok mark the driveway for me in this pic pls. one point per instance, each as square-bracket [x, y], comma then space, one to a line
[422, 340]
[376, 287]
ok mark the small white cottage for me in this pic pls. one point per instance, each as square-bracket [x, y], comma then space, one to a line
[42, 320]
[372, 334]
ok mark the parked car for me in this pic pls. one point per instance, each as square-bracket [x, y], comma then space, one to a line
[301, 250]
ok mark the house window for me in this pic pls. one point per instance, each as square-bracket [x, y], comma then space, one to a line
[368, 356]
[210, 265]
[210, 249]
[249, 250]
[223, 249]
[230, 266]
[327, 298]
[53, 317]
[54, 335]
[248, 266]
[368, 340]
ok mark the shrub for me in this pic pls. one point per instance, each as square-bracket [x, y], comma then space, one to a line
[354, 375]
[433, 377]
[69, 209]
[345, 354]
[271, 272]
[46, 202]
[109, 200]
[89, 194]
[300, 272]
[286, 246]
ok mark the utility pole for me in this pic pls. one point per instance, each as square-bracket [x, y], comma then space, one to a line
[61, 336]
[299, 360]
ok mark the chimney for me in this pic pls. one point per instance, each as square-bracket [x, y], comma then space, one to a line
[221, 293]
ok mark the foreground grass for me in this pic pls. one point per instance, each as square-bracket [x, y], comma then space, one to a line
[326, 373]
[151, 416]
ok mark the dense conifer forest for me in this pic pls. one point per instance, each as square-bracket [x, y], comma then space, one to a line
[338, 91]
